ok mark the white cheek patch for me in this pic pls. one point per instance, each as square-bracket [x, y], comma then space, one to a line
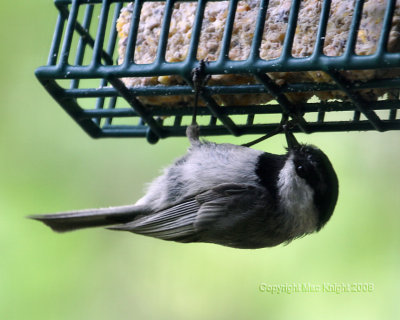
[297, 198]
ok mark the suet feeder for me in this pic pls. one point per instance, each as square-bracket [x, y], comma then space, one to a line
[85, 74]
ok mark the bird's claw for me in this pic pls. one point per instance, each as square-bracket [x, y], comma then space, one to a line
[199, 76]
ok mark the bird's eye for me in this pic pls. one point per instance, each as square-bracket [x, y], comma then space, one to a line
[300, 170]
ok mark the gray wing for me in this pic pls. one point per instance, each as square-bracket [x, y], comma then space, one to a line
[204, 216]
[174, 223]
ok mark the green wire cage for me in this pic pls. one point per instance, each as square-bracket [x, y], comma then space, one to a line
[84, 76]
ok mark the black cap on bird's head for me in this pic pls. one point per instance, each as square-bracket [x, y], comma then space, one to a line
[314, 167]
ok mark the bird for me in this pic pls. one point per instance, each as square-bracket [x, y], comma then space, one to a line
[225, 194]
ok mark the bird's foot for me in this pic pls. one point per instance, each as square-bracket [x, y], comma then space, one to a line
[193, 133]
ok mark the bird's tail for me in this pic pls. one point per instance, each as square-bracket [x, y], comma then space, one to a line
[72, 220]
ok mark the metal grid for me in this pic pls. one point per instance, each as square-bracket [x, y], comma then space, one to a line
[83, 77]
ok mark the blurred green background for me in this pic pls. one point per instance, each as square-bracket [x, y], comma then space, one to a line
[48, 164]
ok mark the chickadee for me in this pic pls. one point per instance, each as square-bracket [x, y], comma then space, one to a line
[225, 194]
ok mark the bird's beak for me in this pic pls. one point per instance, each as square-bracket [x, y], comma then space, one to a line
[291, 140]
